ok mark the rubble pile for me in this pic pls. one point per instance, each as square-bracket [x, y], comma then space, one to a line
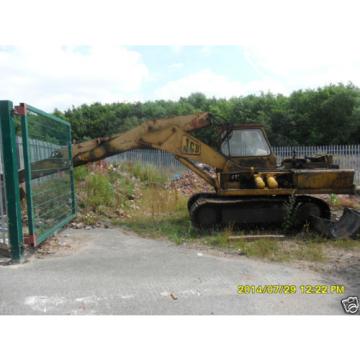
[189, 183]
[340, 201]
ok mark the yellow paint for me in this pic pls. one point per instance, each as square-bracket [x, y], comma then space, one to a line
[271, 182]
[260, 183]
[172, 135]
[190, 146]
[321, 179]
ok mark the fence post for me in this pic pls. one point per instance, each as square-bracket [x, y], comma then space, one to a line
[10, 172]
[28, 174]
[72, 183]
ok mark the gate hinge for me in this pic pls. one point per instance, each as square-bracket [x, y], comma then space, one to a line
[20, 109]
[30, 240]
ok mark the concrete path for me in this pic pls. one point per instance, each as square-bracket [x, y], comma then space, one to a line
[109, 271]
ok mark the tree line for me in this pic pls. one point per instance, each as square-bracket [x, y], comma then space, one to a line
[322, 116]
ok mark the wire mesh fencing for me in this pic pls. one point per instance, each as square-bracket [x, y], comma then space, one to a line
[158, 158]
[52, 193]
[46, 158]
[4, 236]
[346, 156]
[36, 177]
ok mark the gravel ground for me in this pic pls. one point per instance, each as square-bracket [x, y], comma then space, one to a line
[109, 271]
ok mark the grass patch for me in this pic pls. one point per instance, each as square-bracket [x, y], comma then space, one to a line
[176, 228]
[139, 198]
[146, 173]
[100, 191]
[80, 173]
[346, 244]
[263, 248]
[309, 252]
[160, 213]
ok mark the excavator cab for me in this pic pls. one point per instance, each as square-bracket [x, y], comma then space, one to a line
[247, 145]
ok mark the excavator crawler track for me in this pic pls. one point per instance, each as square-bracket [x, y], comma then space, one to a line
[210, 210]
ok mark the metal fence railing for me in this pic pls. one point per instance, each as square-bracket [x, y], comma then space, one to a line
[158, 158]
[4, 237]
[38, 150]
[36, 153]
[11, 216]
[346, 156]
[49, 179]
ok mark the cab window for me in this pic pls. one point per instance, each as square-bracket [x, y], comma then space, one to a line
[245, 142]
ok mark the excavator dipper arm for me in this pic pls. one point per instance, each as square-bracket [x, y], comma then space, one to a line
[170, 135]
[101, 148]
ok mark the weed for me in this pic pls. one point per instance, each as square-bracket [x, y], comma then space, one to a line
[346, 244]
[334, 200]
[89, 218]
[80, 173]
[99, 190]
[133, 197]
[218, 238]
[290, 208]
[264, 248]
[311, 252]
[146, 173]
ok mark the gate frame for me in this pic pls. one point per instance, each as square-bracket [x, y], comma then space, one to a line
[11, 179]
[12, 183]
[31, 238]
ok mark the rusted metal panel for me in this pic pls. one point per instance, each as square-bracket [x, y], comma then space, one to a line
[323, 179]
[284, 191]
[257, 162]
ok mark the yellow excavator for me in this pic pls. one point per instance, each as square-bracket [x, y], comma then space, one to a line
[249, 187]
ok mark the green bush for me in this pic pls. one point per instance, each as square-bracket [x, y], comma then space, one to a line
[146, 173]
[80, 173]
[126, 187]
[99, 191]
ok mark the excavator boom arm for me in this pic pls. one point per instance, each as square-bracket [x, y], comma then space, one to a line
[170, 135]
[100, 148]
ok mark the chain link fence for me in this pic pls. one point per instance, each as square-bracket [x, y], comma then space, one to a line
[346, 156]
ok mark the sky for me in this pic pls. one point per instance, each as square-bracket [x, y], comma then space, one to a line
[305, 45]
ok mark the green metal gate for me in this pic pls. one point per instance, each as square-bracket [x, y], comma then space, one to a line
[46, 177]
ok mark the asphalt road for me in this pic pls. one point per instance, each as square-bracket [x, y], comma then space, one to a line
[107, 271]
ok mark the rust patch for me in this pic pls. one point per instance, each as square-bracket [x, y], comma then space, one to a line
[322, 179]
[200, 121]
[30, 240]
[20, 109]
